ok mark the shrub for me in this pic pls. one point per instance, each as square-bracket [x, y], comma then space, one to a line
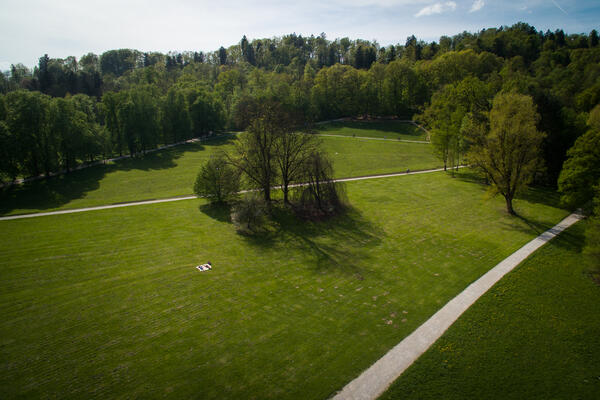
[218, 181]
[249, 214]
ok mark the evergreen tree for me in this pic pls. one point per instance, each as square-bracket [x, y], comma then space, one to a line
[222, 56]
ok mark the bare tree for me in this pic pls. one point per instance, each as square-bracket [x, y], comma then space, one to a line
[320, 195]
[292, 150]
[254, 153]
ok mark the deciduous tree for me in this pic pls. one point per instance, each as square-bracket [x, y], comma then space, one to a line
[217, 180]
[509, 153]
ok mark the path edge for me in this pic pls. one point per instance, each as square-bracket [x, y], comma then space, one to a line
[376, 379]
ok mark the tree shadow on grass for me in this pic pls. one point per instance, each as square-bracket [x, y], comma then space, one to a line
[343, 243]
[541, 195]
[471, 176]
[533, 194]
[217, 211]
[532, 225]
[55, 192]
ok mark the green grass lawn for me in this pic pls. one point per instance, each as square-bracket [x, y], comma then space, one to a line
[172, 172]
[108, 304]
[535, 335]
[376, 129]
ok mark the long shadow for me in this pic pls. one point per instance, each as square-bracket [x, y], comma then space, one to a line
[471, 176]
[541, 195]
[534, 194]
[219, 212]
[342, 243]
[54, 192]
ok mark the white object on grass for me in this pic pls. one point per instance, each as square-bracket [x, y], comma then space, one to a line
[204, 267]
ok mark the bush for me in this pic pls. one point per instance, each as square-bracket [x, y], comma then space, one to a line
[218, 181]
[249, 214]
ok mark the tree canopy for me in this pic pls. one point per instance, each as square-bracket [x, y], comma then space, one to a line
[508, 153]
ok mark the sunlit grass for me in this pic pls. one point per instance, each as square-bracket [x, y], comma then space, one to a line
[109, 304]
[172, 172]
[535, 335]
[376, 129]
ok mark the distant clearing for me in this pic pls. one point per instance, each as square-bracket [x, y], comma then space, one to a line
[172, 172]
[376, 129]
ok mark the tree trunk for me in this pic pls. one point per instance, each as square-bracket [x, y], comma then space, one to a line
[285, 194]
[509, 206]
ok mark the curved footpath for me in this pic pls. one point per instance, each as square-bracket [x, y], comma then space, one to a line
[373, 382]
[144, 202]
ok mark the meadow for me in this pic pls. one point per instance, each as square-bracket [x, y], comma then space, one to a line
[535, 335]
[376, 129]
[172, 172]
[109, 304]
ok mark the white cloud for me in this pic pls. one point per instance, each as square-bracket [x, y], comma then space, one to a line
[477, 5]
[436, 8]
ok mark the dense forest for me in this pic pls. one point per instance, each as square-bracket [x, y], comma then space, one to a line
[67, 111]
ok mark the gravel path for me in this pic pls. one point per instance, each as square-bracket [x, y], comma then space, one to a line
[144, 202]
[373, 382]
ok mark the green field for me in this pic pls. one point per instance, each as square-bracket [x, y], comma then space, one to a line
[375, 129]
[535, 335]
[108, 304]
[172, 172]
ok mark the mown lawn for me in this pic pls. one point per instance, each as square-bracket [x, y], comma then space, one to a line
[108, 304]
[376, 129]
[172, 172]
[535, 335]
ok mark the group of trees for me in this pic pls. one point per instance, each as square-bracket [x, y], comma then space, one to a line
[579, 182]
[274, 151]
[40, 134]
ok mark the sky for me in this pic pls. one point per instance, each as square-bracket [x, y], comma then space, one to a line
[61, 28]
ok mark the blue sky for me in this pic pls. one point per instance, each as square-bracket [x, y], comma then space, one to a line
[28, 29]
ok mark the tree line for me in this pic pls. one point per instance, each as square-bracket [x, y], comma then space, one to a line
[40, 134]
[135, 101]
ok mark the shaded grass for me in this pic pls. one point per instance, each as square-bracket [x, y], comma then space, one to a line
[535, 335]
[376, 129]
[109, 304]
[172, 172]
[164, 173]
